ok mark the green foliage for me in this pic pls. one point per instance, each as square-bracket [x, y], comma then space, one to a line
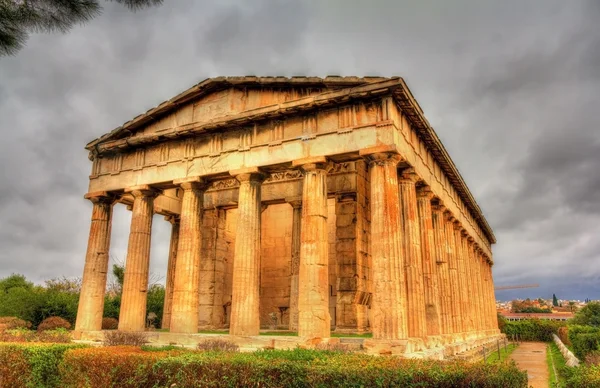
[528, 306]
[112, 306]
[588, 315]
[133, 367]
[554, 300]
[584, 376]
[155, 302]
[532, 329]
[584, 339]
[20, 18]
[32, 365]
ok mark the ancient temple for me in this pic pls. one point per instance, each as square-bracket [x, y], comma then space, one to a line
[309, 204]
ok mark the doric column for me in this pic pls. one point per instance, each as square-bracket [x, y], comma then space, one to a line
[313, 275]
[441, 260]
[473, 280]
[388, 305]
[430, 278]
[455, 294]
[411, 242]
[186, 293]
[245, 298]
[93, 286]
[296, 227]
[480, 290]
[166, 319]
[493, 313]
[486, 292]
[471, 295]
[132, 316]
[462, 293]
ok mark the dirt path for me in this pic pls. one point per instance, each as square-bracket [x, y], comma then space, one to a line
[531, 356]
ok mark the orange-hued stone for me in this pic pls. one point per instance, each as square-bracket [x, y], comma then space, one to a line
[91, 299]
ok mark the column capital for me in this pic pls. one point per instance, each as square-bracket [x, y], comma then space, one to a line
[172, 219]
[295, 202]
[438, 208]
[101, 197]
[408, 175]
[143, 191]
[464, 232]
[250, 174]
[457, 225]
[449, 216]
[191, 183]
[311, 163]
[424, 192]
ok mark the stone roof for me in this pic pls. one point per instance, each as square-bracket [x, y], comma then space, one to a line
[341, 89]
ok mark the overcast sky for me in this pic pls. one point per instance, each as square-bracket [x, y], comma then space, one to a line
[512, 88]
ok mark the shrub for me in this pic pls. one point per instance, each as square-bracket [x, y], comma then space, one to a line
[8, 323]
[563, 334]
[32, 365]
[109, 323]
[133, 367]
[585, 339]
[588, 315]
[120, 338]
[584, 376]
[24, 335]
[593, 358]
[52, 323]
[334, 347]
[217, 344]
[533, 329]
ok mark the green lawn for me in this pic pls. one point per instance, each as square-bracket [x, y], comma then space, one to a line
[504, 354]
[353, 335]
[556, 364]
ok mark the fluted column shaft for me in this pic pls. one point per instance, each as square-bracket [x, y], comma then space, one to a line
[296, 227]
[480, 291]
[441, 260]
[471, 295]
[389, 299]
[493, 313]
[132, 316]
[430, 279]
[186, 283]
[93, 286]
[462, 294]
[455, 284]
[170, 282]
[486, 289]
[413, 266]
[245, 299]
[313, 275]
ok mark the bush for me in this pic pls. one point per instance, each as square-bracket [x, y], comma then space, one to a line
[8, 323]
[533, 329]
[121, 338]
[584, 376]
[217, 344]
[32, 365]
[588, 315]
[563, 334]
[585, 339]
[593, 358]
[24, 335]
[133, 367]
[110, 324]
[334, 347]
[52, 323]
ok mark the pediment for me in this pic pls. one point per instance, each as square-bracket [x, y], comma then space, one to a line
[220, 97]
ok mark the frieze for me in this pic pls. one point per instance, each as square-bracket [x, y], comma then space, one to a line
[224, 184]
[287, 175]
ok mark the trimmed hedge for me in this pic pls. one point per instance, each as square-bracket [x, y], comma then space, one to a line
[79, 366]
[532, 329]
[133, 367]
[584, 339]
[31, 365]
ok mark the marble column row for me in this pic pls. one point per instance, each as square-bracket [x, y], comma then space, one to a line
[429, 277]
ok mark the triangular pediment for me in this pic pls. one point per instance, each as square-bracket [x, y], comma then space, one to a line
[220, 97]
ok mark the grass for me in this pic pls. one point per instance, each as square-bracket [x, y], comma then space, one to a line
[280, 333]
[358, 335]
[556, 364]
[504, 354]
[213, 331]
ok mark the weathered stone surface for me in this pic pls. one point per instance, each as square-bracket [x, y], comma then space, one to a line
[171, 264]
[294, 286]
[132, 316]
[430, 276]
[388, 306]
[359, 255]
[184, 312]
[91, 299]
[245, 300]
[313, 278]
[411, 249]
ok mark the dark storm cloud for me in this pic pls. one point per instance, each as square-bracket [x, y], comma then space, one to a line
[511, 88]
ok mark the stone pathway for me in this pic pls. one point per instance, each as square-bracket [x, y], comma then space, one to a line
[531, 356]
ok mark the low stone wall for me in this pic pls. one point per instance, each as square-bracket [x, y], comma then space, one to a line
[570, 358]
